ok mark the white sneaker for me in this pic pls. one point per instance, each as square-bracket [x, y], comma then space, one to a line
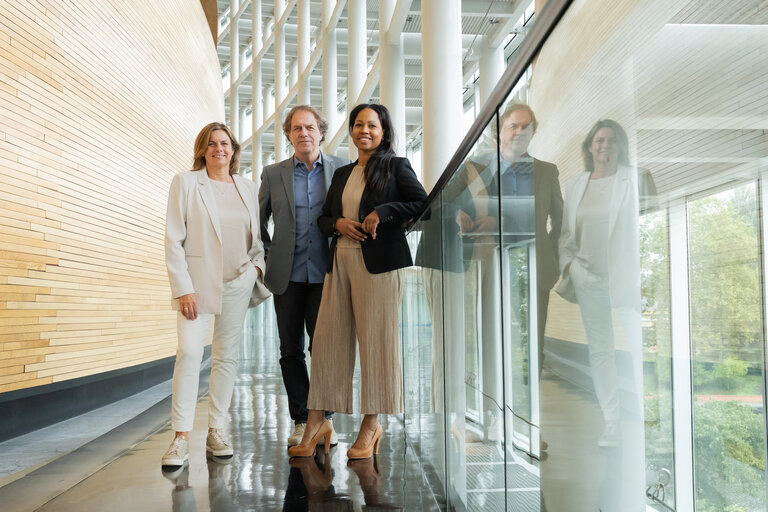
[217, 444]
[334, 436]
[298, 433]
[611, 435]
[177, 454]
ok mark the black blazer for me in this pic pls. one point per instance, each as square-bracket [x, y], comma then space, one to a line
[401, 199]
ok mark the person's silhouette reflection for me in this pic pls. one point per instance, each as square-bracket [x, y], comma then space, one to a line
[370, 478]
[310, 486]
[296, 498]
[600, 258]
[182, 495]
[527, 191]
[600, 261]
[219, 494]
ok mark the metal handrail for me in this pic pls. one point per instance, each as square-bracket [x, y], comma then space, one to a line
[545, 23]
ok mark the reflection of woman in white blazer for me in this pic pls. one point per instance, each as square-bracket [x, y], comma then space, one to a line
[215, 262]
[600, 261]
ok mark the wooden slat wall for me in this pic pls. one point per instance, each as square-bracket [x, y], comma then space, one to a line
[100, 101]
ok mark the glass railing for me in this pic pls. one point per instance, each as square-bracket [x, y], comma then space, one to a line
[584, 326]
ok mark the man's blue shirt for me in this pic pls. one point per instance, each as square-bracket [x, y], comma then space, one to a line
[310, 255]
[517, 177]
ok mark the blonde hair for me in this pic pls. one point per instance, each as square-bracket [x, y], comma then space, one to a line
[201, 146]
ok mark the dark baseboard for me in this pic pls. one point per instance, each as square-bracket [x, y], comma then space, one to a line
[30, 409]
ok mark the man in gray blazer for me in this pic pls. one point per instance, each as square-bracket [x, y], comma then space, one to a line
[292, 193]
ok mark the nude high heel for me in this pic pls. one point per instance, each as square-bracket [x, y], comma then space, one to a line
[373, 446]
[307, 450]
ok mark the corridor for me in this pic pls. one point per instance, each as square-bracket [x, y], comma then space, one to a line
[259, 476]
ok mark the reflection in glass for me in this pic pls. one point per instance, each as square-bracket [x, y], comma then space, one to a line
[687, 80]
[599, 256]
[657, 350]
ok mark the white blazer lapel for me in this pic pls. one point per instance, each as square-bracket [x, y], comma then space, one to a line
[579, 187]
[206, 194]
[622, 185]
[253, 210]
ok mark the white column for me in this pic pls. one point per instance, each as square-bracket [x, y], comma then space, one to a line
[357, 51]
[491, 69]
[279, 79]
[257, 96]
[269, 102]
[293, 73]
[330, 69]
[441, 91]
[303, 52]
[234, 70]
[392, 74]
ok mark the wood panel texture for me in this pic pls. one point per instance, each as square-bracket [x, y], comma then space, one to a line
[100, 101]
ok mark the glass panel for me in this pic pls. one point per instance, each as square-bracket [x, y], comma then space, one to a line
[472, 332]
[685, 82]
[657, 354]
[529, 200]
[423, 374]
[727, 342]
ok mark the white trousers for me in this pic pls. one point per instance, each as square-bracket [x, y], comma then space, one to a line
[624, 489]
[597, 315]
[225, 349]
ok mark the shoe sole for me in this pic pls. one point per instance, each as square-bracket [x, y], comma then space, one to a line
[173, 472]
[220, 453]
[174, 462]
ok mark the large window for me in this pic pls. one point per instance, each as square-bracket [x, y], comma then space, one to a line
[728, 350]
[601, 333]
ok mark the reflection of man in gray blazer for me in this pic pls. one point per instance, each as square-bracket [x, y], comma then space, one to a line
[492, 180]
[522, 175]
[292, 193]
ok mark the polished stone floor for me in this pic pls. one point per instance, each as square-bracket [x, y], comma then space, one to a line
[260, 476]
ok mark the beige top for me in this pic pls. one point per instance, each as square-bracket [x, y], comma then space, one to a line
[592, 217]
[350, 202]
[235, 224]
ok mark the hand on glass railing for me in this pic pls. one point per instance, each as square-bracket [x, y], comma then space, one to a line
[465, 222]
[485, 224]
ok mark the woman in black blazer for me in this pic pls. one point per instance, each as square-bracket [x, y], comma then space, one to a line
[365, 211]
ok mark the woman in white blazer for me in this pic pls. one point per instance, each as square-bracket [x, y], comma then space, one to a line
[215, 262]
[600, 259]
[600, 264]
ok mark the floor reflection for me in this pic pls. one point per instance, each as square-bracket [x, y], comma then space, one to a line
[259, 476]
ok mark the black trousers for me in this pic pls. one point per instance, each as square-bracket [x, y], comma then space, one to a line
[296, 310]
